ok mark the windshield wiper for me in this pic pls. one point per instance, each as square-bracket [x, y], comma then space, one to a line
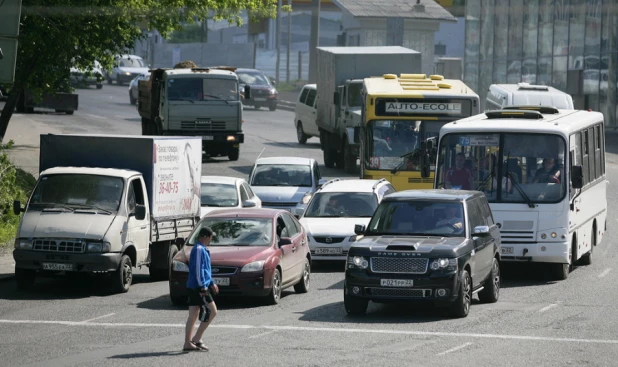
[516, 184]
[56, 206]
[214, 97]
[403, 163]
[86, 206]
[486, 181]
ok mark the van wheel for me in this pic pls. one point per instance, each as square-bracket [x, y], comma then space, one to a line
[300, 134]
[123, 277]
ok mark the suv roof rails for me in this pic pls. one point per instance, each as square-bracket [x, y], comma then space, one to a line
[377, 183]
[517, 114]
[550, 110]
[330, 182]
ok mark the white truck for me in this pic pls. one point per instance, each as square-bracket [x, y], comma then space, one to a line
[340, 75]
[105, 204]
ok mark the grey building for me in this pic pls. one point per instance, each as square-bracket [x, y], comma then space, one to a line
[407, 23]
[544, 42]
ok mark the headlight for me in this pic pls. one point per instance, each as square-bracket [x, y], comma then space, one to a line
[272, 91]
[358, 261]
[126, 73]
[306, 198]
[355, 238]
[98, 247]
[180, 266]
[254, 266]
[444, 264]
[23, 244]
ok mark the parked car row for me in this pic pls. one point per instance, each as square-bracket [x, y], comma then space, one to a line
[440, 246]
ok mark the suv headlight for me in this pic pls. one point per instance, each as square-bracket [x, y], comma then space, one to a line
[357, 262]
[180, 266]
[254, 266]
[98, 247]
[23, 244]
[444, 264]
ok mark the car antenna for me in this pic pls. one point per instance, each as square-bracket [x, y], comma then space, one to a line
[258, 157]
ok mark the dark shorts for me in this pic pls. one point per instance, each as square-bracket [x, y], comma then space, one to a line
[201, 300]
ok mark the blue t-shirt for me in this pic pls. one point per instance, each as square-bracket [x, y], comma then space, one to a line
[200, 275]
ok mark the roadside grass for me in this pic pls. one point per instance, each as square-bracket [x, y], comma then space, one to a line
[292, 86]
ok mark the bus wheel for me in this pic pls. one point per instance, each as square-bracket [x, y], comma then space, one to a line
[560, 271]
[587, 259]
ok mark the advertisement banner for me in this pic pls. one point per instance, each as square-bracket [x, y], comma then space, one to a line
[177, 174]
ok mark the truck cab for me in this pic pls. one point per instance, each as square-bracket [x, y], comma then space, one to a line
[348, 115]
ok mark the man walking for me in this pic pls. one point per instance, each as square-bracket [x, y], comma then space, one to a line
[199, 286]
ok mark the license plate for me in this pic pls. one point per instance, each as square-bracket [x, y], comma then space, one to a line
[208, 137]
[329, 251]
[60, 267]
[396, 282]
[507, 250]
[222, 281]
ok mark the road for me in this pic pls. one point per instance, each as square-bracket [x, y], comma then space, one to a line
[536, 321]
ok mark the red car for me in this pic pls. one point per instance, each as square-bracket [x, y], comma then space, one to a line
[254, 252]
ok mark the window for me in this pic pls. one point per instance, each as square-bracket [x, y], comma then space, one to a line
[585, 157]
[316, 173]
[303, 95]
[486, 210]
[290, 226]
[243, 194]
[249, 191]
[311, 98]
[474, 215]
[592, 156]
[598, 152]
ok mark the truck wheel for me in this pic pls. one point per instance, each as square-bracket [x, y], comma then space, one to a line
[233, 154]
[162, 269]
[349, 160]
[100, 86]
[300, 134]
[123, 277]
[272, 106]
[329, 158]
[25, 278]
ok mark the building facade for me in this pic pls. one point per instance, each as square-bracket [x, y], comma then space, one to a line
[544, 42]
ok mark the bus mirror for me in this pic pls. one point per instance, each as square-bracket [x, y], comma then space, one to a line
[336, 98]
[577, 177]
[425, 165]
[429, 145]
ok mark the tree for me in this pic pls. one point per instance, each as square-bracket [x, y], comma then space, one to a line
[57, 34]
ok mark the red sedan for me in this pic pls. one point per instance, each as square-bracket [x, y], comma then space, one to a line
[254, 252]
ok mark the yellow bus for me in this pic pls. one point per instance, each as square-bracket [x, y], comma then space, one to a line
[402, 117]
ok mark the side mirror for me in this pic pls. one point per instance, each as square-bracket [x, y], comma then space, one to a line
[359, 229]
[249, 204]
[179, 242]
[17, 209]
[577, 177]
[273, 82]
[336, 98]
[429, 145]
[321, 182]
[247, 92]
[140, 212]
[285, 241]
[481, 231]
[299, 212]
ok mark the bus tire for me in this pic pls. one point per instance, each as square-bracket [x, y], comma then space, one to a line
[587, 258]
[560, 271]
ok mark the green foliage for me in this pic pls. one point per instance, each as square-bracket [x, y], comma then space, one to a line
[292, 86]
[14, 184]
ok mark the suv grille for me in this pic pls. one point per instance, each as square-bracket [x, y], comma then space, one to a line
[397, 265]
[58, 246]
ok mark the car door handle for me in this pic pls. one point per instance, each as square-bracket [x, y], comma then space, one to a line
[143, 227]
[294, 249]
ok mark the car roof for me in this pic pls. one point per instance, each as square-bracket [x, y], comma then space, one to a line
[220, 179]
[112, 172]
[352, 185]
[285, 160]
[310, 86]
[434, 194]
[247, 70]
[245, 213]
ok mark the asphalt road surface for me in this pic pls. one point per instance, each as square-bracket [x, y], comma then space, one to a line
[536, 322]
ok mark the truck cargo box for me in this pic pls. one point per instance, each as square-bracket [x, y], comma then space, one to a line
[171, 165]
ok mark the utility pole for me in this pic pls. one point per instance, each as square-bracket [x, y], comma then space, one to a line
[278, 41]
[287, 73]
[314, 41]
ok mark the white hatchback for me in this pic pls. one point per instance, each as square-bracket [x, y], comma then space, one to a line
[305, 114]
[226, 192]
[335, 209]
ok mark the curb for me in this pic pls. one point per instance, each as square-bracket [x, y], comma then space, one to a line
[6, 277]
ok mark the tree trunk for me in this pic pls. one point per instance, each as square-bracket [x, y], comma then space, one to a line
[9, 108]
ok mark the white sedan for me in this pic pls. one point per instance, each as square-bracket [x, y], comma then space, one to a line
[226, 192]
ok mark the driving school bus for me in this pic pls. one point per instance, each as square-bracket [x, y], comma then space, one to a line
[402, 117]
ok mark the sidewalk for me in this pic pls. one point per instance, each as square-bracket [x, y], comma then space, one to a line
[7, 264]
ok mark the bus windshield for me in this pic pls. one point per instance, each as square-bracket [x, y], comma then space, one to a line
[507, 167]
[398, 144]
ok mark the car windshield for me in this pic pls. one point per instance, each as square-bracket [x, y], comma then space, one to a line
[342, 204]
[215, 194]
[237, 231]
[282, 175]
[252, 78]
[418, 218]
[131, 63]
[77, 190]
[202, 89]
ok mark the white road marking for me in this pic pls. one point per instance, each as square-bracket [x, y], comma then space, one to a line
[605, 272]
[100, 317]
[262, 334]
[548, 307]
[326, 329]
[454, 349]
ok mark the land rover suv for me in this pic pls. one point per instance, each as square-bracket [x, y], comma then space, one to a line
[441, 246]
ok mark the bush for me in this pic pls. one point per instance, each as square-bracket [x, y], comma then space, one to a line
[15, 183]
[292, 86]
[187, 64]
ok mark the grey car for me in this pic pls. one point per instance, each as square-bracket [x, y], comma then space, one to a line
[285, 182]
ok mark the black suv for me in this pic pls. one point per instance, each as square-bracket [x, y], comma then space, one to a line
[425, 245]
[263, 91]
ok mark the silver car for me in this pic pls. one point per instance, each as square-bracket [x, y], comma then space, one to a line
[133, 91]
[285, 182]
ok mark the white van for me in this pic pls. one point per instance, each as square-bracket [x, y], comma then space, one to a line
[501, 95]
[305, 114]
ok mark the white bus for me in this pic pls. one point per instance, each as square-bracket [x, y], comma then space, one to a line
[543, 171]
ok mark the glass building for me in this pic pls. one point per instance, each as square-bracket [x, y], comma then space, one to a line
[539, 41]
